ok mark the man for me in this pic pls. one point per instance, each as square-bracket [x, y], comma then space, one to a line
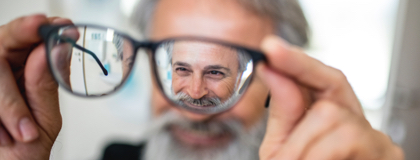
[313, 112]
[205, 74]
[235, 24]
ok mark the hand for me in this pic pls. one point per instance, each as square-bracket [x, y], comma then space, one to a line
[314, 113]
[30, 119]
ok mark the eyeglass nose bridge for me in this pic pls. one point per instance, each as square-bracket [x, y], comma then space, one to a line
[144, 44]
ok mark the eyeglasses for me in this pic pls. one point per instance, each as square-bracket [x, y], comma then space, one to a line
[199, 74]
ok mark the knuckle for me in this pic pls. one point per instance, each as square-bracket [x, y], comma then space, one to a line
[351, 132]
[13, 109]
[11, 114]
[338, 83]
[338, 77]
[357, 137]
[30, 23]
[326, 110]
[297, 49]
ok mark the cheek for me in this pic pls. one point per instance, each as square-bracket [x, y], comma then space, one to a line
[250, 109]
[178, 83]
[126, 69]
[222, 88]
[160, 104]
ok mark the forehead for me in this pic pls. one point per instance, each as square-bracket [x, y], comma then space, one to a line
[202, 53]
[220, 19]
[201, 47]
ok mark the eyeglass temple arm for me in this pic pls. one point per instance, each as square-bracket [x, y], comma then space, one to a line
[45, 30]
[87, 51]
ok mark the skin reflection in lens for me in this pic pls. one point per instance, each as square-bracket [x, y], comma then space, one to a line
[204, 74]
[127, 56]
[61, 54]
[61, 57]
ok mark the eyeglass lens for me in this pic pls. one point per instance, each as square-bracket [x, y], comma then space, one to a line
[202, 76]
[89, 61]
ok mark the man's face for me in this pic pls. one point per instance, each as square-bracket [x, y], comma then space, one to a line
[203, 72]
[219, 19]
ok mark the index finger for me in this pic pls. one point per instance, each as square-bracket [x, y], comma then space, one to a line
[324, 81]
[22, 32]
[18, 37]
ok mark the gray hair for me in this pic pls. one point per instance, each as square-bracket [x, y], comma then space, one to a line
[161, 145]
[287, 16]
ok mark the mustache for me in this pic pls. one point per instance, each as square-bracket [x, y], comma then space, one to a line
[205, 101]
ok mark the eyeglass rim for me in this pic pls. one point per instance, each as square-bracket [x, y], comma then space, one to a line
[256, 56]
[45, 32]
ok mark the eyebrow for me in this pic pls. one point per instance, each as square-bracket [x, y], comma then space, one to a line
[181, 64]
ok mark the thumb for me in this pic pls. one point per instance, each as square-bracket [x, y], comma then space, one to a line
[42, 92]
[42, 89]
[287, 106]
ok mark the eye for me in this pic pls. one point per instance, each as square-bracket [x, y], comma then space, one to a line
[216, 73]
[181, 69]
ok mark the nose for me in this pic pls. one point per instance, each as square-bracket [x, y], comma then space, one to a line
[197, 87]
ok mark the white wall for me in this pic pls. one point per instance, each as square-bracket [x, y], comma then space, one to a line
[356, 37]
[11, 9]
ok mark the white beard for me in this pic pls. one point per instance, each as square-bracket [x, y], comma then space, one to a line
[244, 145]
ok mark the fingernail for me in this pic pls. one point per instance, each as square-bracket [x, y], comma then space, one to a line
[28, 130]
[271, 44]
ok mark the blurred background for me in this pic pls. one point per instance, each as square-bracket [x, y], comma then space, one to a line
[374, 42]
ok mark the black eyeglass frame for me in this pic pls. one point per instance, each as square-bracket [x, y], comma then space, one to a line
[46, 31]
